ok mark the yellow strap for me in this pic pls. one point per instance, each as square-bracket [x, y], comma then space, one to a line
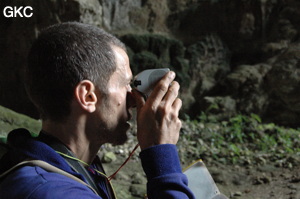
[73, 158]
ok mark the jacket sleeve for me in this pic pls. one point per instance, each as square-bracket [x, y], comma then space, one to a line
[165, 178]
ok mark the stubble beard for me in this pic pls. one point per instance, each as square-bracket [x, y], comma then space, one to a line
[114, 133]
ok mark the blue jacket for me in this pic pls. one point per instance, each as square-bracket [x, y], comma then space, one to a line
[161, 165]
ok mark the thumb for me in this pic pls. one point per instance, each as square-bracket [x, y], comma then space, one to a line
[139, 99]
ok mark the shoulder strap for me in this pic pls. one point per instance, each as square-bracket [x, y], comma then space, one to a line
[47, 167]
[55, 144]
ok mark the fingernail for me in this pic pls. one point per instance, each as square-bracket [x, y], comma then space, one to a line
[171, 74]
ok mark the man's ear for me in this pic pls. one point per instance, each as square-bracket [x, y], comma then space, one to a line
[85, 94]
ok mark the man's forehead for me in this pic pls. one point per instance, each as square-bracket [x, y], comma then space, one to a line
[123, 68]
[122, 62]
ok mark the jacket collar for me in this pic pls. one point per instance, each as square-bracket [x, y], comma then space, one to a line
[23, 146]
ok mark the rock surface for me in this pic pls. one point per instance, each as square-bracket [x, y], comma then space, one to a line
[245, 51]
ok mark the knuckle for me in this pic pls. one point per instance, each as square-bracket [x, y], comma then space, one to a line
[163, 113]
[153, 108]
[173, 90]
[162, 110]
[179, 123]
[173, 115]
[163, 87]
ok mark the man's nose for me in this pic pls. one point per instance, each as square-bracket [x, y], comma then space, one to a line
[130, 100]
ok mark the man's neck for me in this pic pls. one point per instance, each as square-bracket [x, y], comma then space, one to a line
[73, 135]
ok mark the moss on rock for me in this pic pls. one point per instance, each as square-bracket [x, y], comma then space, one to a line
[10, 120]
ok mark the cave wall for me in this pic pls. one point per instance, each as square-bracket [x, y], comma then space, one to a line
[230, 56]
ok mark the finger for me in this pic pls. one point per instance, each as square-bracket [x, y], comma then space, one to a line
[172, 94]
[177, 105]
[160, 89]
[139, 99]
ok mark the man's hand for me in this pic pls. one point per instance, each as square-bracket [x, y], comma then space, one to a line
[157, 118]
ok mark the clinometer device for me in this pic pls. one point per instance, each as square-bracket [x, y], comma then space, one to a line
[145, 81]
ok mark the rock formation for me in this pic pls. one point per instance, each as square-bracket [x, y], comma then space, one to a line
[230, 56]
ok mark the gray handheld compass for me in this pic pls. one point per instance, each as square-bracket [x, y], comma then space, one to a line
[145, 81]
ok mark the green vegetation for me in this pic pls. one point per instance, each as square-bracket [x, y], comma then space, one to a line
[158, 51]
[241, 140]
[10, 120]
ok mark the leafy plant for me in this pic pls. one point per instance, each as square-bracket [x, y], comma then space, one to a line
[241, 139]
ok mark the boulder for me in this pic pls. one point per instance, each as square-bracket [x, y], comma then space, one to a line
[283, 83]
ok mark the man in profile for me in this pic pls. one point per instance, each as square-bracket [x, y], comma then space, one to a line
[78, 76]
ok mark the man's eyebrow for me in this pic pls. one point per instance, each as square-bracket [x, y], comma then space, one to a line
[128, 79]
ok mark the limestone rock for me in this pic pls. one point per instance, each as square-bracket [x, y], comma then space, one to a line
[109, 157]
[242, 50]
